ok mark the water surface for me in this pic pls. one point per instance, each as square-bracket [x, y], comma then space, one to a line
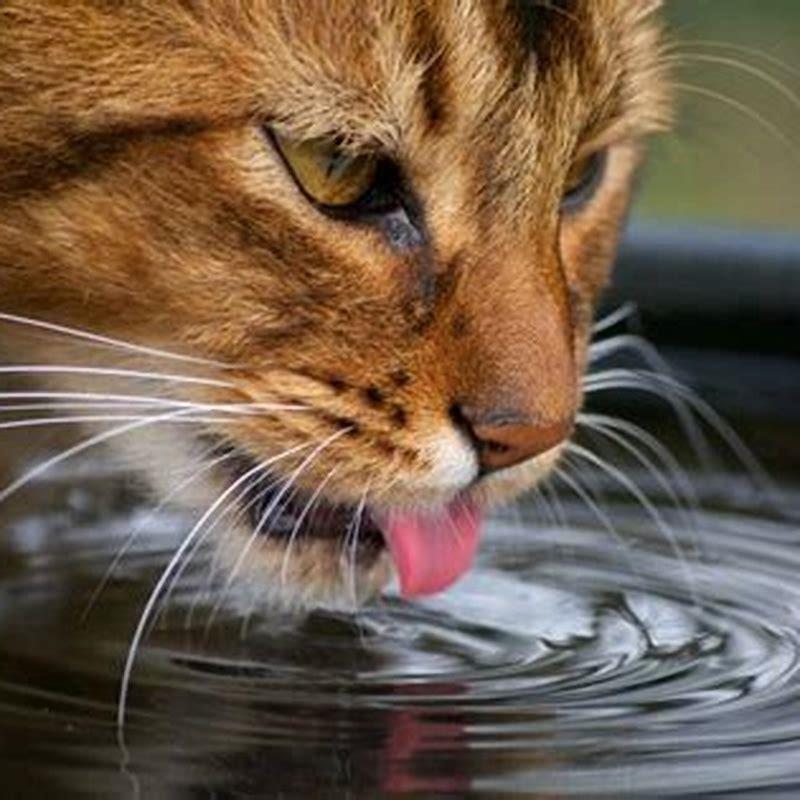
[568, 664]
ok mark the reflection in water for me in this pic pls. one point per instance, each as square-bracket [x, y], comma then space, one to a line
[565, 665]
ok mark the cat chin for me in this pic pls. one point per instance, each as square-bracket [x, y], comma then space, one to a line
[316, 574]
[322, 573]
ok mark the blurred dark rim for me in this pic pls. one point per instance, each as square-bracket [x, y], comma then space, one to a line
[713, 288]
[724, 309]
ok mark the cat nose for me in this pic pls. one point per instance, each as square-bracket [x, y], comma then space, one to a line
[505, 438]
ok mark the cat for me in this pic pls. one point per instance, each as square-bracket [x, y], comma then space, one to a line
[341, 258]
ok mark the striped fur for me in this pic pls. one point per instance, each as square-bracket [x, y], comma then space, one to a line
[139, 198]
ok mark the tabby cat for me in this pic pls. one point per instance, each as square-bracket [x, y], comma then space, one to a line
[340, 257]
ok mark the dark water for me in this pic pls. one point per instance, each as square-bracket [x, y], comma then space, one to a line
[567, 665]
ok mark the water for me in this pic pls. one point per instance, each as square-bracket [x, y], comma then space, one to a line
[566, 665]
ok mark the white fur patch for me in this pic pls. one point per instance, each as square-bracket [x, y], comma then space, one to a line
[454, 463]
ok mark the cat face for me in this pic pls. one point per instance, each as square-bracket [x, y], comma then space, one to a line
[386, 224]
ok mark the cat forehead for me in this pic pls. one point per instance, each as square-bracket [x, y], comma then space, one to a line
[540, 28]
[388, 58]
[383, 72]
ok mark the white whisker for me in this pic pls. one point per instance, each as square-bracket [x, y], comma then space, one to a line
[741, 66]
[165, 576]
[44, 422]
[677, 396]
[739, 48]
[591, 423]
[629, 341]
[136, 399]
[541, 504]
[743, 109]
[235, 504]
[353, 532]
[549, 495]
[624, 312]
[657, 384]
[659, 367]
[604, 424]
[106, 341]
[47, 369]
[629, 486]
[583, 494]
[208, 465]
[67, 406]
[273, 505]
[307, 509]
[100, 438]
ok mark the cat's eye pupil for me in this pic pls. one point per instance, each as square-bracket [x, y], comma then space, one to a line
[338, 164]
[583, 180]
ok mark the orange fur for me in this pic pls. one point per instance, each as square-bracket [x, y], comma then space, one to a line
[140, 199]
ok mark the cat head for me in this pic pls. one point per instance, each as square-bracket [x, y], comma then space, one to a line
[379, 228]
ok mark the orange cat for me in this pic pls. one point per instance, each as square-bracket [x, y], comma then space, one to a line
[369, 234]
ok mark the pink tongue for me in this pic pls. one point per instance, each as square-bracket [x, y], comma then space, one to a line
[431, 551]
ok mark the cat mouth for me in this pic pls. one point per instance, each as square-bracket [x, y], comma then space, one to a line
[289, 515]
[429, 549]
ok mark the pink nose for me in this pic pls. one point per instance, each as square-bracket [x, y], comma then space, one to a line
[504, 439]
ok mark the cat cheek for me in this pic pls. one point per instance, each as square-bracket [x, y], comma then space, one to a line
[587, 259]
[588, 242]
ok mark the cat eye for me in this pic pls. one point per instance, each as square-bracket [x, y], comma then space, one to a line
[329, 176]
[583, 180]
[363, 188]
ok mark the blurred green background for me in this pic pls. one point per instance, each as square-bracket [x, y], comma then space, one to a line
[734, 157]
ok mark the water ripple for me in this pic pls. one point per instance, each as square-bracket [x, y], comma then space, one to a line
[557, 666]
